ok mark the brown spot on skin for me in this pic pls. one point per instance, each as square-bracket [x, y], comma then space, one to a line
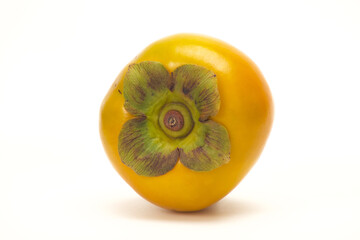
[119, 91]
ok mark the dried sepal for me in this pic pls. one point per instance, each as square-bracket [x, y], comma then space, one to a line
[213, 152]
[200, 85]
[145, 154]
[144, 83]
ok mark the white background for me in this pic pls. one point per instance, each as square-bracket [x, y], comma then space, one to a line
[58, 59]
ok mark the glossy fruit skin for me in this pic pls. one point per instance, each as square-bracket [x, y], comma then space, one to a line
[246, 110]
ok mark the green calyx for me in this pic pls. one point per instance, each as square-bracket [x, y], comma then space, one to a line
[171, 121]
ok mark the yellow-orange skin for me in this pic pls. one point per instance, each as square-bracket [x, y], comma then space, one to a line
[246, 110]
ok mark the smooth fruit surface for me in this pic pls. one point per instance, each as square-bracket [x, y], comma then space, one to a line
[246, 111]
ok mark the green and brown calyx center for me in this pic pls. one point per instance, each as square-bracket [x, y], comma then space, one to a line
[172, 120]
[175, 120]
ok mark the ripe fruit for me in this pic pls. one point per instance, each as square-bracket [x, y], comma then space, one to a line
[185, 121]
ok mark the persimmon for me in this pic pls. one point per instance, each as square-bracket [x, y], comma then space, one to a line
[186, 120]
